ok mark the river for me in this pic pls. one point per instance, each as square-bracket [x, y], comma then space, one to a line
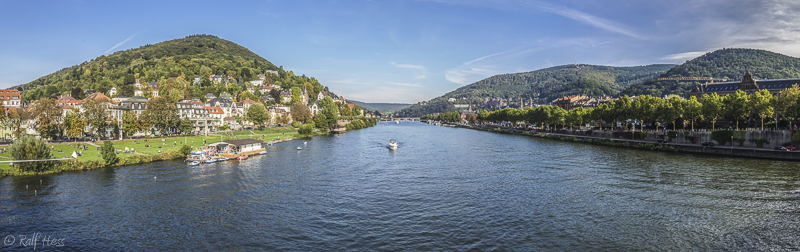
[443, 189]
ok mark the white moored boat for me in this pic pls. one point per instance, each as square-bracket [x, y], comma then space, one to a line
[392, 144]
[262, 153]
[194, 163]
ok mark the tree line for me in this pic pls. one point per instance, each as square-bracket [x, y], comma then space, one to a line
[736, 108]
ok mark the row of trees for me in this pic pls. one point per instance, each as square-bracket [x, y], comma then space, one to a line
[647, 109]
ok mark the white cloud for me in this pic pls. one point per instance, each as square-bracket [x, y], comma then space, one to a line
[408, 66]
[120, 43]
[560, 10]
[681, 57]
[388, 94]
[405, 84]
[589, 19]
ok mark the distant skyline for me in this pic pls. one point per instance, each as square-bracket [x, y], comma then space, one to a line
[399, 51]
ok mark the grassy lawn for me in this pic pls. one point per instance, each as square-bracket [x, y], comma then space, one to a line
[266, 134]
[92, 152]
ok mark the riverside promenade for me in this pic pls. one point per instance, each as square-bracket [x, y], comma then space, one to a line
[727, 150]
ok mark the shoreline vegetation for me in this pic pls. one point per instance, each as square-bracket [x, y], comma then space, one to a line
[730, 151]
[170, 148]
[92, 157]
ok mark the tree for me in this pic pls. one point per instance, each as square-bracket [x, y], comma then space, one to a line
[345, 111]
[623, 110]
[306, 129]
[185, 126]
[300, 112]
[109, 155]
[692, 110]
[762, 104]
[357, 110]
[276, 94]
[787, 102]
[28, 147]
[644, 109]
[712, 108]
[737, 106]
[258, 114]
[47, 117]
[77, 93]
[330, 109]
[74, 123]
[576, 116]
[130, 123]
[161, 114]
[320, 121]
[296, 93]
[94, 112]
[175, 95]
[125, 90]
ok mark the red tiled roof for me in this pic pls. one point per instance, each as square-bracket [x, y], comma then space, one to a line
[230, 119]
[214, 110]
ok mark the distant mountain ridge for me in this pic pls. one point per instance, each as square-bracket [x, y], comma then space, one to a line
[384, 108]
[730, 63]
[542, 86]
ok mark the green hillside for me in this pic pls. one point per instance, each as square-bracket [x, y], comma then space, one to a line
[196, 55]
[384, 108]
[543, 85]
[725, 63]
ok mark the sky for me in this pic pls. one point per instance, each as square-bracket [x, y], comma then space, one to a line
[399, 51]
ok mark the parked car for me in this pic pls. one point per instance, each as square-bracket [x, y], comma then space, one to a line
[533, 131]
[661, 140]
[790, 147]
[781, 148]
[710, 144]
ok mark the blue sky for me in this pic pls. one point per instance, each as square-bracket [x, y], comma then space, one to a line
[398, 50]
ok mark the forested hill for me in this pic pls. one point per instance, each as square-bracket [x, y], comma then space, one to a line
[384, 108]
[543, 85]
[727, 63]
[196, 55]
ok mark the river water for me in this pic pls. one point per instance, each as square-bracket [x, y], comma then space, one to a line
[443, 189]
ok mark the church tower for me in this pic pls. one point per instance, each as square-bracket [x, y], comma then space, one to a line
[748, 83]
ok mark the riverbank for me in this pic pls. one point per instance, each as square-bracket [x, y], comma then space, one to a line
[145, 150]
[745, 152]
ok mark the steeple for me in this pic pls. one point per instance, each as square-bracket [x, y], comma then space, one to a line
[748, 83]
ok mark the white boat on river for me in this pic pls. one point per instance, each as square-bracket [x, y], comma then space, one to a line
[392, 144]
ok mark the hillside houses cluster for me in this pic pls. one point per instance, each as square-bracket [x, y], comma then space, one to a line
[586, 102]
[211, 115]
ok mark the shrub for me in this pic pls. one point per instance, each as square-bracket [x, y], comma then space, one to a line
[109, 155]
[759, 142]
[27, 147]
[671, 135]
[721, 136]
[296, 124]
[306, 129]
[224, 127]
[185, 150]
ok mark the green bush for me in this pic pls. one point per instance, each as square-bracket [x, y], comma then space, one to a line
[671, 135]
[224, 127]
[28, 147]
[109, 155]
[296, 124]
[185, 150]
[722, 136]
[306, 129]
[759, 142]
